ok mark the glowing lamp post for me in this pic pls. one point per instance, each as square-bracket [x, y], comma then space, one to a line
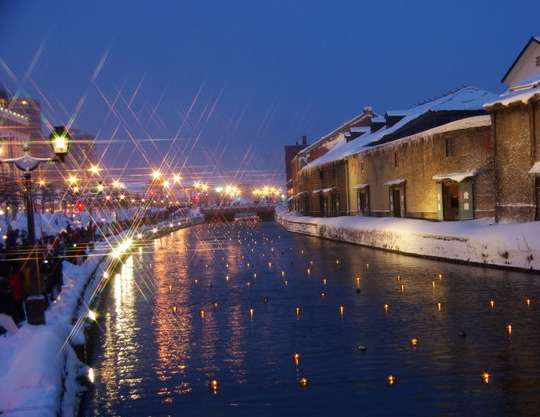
[59, 141]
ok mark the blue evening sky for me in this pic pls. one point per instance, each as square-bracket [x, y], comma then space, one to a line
[236, 80]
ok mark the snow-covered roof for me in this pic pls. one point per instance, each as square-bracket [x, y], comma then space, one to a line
[335, 131]
[316, 191]
[466, 98]
[360, 186]
[360, 129]
[535, 169]
[523, 92]
[327, 190]
[398, 181]
[455, 176]
[396, 113]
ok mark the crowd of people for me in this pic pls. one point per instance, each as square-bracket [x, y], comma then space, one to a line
[19, 262]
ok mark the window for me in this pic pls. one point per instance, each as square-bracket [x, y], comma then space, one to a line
[321, 175]
[395, 160]
[538, 61]
[449, 147]
[361, 166]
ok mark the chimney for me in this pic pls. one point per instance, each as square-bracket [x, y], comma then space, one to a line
[304, 140]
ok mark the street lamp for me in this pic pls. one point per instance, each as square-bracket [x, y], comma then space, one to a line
[59, 140]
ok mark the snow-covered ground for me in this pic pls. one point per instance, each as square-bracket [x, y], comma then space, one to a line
[38, 367]
[475, 241]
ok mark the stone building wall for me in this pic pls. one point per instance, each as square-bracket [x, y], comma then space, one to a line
[514, 156]
[416, 160]
[315, 183]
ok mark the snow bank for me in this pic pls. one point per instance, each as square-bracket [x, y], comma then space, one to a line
[31, 363]
[474, 241]
[34, 361]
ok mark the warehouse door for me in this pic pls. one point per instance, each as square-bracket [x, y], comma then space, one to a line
[450, 191]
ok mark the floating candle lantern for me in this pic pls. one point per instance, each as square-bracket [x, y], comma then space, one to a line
[296, 358]
[414, 342]
[303, 382]
[391, 379]
[485, 377]
[213, 384]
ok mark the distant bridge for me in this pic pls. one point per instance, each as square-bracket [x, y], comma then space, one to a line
[229, 213]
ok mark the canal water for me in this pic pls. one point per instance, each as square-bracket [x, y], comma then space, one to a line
[234, 302]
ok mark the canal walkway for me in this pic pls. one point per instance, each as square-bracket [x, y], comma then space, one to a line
[38, 366]
[475, 242]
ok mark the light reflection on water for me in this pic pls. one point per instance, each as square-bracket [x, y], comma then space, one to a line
[156, 353]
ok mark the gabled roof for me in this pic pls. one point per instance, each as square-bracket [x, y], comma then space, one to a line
[535, 39]
[467, 100]
[343, 126]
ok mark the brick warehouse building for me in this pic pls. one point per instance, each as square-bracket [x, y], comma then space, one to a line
[432, 161]
[439, 163]
[516, 129]
[299, 200]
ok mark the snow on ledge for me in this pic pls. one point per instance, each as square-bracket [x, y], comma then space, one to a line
[360, 186]
[455, 176]
[535, 169]
[399, 181]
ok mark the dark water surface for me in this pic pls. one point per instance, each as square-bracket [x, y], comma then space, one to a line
[155, 353]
